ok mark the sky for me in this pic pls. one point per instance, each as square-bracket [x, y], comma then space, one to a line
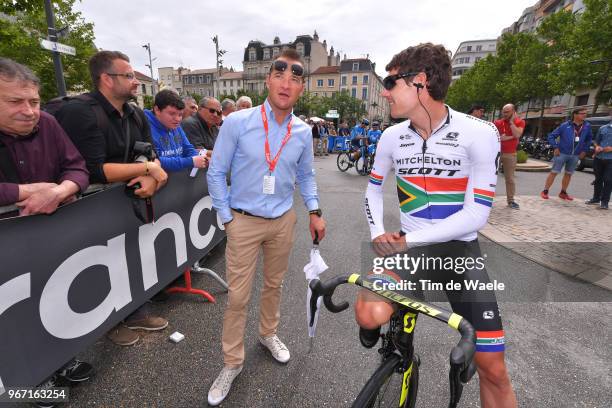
[180, 32]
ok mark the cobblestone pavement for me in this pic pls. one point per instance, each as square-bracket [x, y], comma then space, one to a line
[567, 236]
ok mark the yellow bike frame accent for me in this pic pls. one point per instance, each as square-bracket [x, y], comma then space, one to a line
[405, 385]
[409, 322]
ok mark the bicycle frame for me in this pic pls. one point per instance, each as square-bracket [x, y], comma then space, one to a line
[461, 357]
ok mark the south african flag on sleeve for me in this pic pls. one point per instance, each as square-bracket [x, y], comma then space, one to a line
[490, 341]
[376, 179]
[484, 197]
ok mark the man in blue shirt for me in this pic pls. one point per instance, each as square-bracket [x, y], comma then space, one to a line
[571, 141]
[267, 150]
[602, 165]
[171, 144]
[359, 135]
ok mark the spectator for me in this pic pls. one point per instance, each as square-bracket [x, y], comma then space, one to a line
[107, 155]
[257, 211]
[477, 111]
[510, 128]
[191, 106]
[602, 165]
[323, 133]
[202, 128]
[316, 137]
[173, 149]
[359, 137]
[227, 106]
[344, 130]
[39, 168]
[244, 102]
[571, 140]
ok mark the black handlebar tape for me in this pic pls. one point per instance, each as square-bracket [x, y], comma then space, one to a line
[332, 307]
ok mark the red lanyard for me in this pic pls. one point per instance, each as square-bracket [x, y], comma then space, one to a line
[272, 163]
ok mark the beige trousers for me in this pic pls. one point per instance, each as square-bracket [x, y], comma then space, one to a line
[509, 162]
[246, 235]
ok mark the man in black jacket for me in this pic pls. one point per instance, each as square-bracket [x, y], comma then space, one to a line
[108, 149]
[203, 127]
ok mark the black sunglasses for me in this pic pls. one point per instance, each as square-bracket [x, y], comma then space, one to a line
[214, 111]
[390, 81]
[280, 65]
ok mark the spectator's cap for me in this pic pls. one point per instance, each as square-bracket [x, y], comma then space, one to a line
[365, 122]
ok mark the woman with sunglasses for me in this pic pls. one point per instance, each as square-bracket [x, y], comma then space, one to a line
[445, 166]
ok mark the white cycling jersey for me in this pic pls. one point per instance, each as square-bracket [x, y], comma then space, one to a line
[445, 185]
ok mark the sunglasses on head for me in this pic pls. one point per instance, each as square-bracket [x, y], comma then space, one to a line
[214, 111]
[280, 65]
[390, 81]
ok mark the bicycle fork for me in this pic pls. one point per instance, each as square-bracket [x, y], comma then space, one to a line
[403, 336]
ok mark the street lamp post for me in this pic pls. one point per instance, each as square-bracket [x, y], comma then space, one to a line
[147, 46]
[218, 53]
[57, 60]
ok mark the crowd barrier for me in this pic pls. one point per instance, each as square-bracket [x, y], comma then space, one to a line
[68, 278]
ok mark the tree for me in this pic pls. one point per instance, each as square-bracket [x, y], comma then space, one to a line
[578, 40]
[24, 24]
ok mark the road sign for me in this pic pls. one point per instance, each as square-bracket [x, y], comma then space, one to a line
[332, 111]
[58, 47]
[332, 115]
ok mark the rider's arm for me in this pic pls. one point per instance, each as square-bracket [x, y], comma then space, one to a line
[482, 157]
[383, 163]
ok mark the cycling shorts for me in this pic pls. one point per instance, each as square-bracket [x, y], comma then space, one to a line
[447, 263]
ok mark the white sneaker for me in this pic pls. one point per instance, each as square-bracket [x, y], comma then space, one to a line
[220, 388]
[277, 348]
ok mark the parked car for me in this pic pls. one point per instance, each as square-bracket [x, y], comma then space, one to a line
[596, 122]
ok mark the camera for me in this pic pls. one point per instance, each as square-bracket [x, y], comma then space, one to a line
[143, 151]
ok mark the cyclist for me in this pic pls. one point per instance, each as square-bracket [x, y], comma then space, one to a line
[445, 166]
[359, 136]
[374, 135]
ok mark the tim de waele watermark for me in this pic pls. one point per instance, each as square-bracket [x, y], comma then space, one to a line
[412, 264]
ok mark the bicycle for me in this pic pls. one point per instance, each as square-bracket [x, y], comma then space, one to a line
[395, 381]
[365, 163]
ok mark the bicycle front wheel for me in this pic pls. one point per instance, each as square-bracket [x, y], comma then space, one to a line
[343, 161]
[385, 387]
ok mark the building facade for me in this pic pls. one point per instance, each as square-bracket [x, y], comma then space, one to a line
[145, 87]
[202, 82]
[230, 83]
[258, 57]
[358, 77]
[170, 78]
[324, 81]
[468, 53]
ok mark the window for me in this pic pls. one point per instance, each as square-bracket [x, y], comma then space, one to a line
[333, 94]
[319, 83]
[330, 82]
[581, 100]
[355, 66]
[478, 59]
[275, 51]
[466, 59]
[365, 79]
[354, 80]
[354, 92]
[252, 54]
[343, 80]
[266, 53]
[469, 48]
[364, 93]
[144, 88]
[224, 83]
[479, 48]
[300, 49]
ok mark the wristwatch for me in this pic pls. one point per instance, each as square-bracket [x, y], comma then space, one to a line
[316, 212]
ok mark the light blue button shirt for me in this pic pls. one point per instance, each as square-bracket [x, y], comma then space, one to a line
[239, 149]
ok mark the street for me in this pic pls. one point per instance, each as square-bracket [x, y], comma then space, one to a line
[558, 352]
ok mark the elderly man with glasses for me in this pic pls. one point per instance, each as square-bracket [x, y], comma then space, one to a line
[202, 128]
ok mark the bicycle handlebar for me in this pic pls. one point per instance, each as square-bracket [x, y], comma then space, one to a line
[461, 356]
